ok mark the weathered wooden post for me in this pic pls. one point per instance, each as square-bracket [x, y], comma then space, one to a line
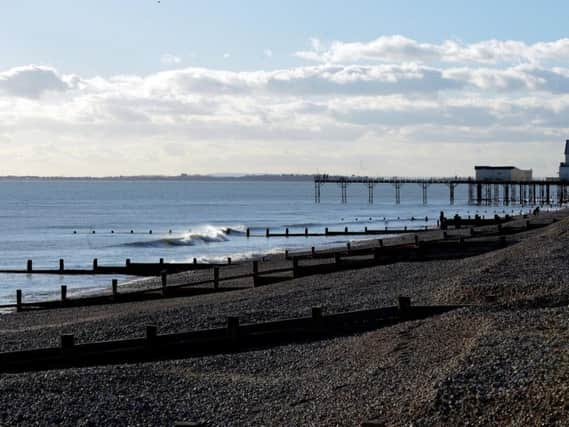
[67, 342]
[215, 277]
[404, 306]
[61, 265]
[114, 285]
[255, 273]
[95, 264]
[233, 329]
[29, 266]
[376, 254]
[151, 336]
[306, 231]
[267, 233]
[348, 246]
[228, 260]
[63, 293]
[286, 253]
[164, 279]
[313, 251]
[365, 229]
[248, 232]
[405, 228]
[18, 299]
[195, 261]
[127, 263]
[161, 262]
[317, 321]
[345, 229]
[295, 267]
[337, 259]
[286, 232]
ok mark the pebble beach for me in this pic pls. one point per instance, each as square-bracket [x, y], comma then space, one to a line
[503, 361]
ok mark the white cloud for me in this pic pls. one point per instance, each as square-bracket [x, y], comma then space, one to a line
[32, 81]
[399, 48]
[226, 55]
[291, 119]
[268, 53]
[169, 59]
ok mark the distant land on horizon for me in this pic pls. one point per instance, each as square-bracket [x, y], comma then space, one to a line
[181, 177]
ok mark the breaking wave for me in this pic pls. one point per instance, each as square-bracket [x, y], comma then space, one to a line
[198, 236]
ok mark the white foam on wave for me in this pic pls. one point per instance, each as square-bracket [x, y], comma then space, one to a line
[239, 256]
[203, 234]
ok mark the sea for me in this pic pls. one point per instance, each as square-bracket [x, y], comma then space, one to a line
[178, 220]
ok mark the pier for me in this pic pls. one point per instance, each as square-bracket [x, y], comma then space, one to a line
[536, 192]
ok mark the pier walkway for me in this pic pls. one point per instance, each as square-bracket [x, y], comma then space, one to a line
[538, 192]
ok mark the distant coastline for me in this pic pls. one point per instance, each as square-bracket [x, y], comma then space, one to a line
[182, 177]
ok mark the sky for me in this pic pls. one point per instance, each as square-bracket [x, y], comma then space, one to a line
[376, 88]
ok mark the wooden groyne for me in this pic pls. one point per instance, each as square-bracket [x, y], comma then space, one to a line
[128, 269]
[445, 245]
[232, 338]
[441, 223]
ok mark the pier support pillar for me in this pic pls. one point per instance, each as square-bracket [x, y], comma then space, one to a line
[397, 186]
[479, 194]
[451, 188]
[424, 187]
[370, 192]
[344, 191]
[470, 193]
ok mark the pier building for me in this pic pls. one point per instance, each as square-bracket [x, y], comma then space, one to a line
[564, 166]
[502, 173]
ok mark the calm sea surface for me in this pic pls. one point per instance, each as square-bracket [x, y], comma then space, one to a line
[48, 220]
